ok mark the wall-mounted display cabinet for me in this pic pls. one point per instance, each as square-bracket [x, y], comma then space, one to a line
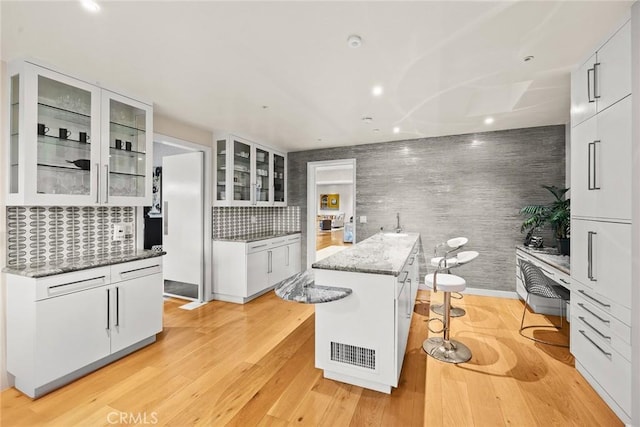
[73, 143]
[248, 174]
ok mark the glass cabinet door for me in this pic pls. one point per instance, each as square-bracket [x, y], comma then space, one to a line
[64, 161]
[127, 146]
[263, 177]
[221, 170]
[241, 172]
[14, 135]
[279, 179]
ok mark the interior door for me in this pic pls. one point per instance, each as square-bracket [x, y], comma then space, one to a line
[183, 218]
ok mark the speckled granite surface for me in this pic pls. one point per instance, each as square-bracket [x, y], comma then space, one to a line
[550, 256]
[83, 264]
[382, 253]
[254, 237]
[301, 288]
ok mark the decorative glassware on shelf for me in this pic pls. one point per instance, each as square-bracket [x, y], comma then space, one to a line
[64, 114]
[221, 168]
[278, 178]
[241, 171]
[127, 150]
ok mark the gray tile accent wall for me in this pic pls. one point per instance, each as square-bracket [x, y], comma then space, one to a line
[40, 236]
[236, 221]
[462, 185]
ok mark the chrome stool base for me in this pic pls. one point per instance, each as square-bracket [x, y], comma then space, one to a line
[450, 351]
[455, 311]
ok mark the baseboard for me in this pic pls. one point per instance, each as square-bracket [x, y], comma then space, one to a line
[491, 293]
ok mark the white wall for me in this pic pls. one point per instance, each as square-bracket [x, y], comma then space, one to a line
[346, 199]
[635, 233]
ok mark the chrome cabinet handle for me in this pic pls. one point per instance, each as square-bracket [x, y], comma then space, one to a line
[106, 193]
[584, 307]
[258, 246]
[287, 256]
[596, 87]
[592, 166]
[594, 328]
[413, 259]
[596, 345]
[165, 218]
[97, 182]
[409, 301]
[590, 235]
[270, 266]
[406, 274]
[564, 281]
[590, 72]
[593, 299]
[108, 309]
[589, 186]
[117, 306]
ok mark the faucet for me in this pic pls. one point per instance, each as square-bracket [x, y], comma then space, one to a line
[398, 228]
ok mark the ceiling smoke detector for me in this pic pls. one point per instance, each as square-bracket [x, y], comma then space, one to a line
[354, 41]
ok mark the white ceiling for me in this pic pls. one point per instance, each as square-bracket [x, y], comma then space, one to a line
[444, 65]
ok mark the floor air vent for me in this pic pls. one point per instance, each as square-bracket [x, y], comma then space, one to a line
[352, 355]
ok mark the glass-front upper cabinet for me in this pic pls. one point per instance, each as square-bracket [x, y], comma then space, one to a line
[126, 146]
[245, 174]
[279, 179]
[53, 117]
[59, 132]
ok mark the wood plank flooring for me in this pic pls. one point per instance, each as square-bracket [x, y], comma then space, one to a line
[253, 365]
[330, 238]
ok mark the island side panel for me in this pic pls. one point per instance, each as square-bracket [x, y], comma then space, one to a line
[358, 325]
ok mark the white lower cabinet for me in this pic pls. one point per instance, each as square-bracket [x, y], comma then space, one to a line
[246, 270]
[64, 326]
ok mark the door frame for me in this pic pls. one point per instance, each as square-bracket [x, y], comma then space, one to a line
[205, 291]
[312, 205]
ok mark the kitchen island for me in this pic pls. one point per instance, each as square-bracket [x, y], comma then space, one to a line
[361, 339]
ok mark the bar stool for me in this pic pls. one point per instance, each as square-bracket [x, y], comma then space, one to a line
[443, 348]
[450, 246]
[461, 258]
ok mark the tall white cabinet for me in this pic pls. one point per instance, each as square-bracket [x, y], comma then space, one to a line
[73, 143]
[601, 141]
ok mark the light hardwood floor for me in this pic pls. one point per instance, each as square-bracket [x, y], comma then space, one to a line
[330, 238]
[253, 364]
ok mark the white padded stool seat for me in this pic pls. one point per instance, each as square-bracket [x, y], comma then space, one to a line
[466, 256]
[456, 242]
[446, 282]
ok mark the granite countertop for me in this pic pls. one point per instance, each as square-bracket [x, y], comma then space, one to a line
[382, 253]
[254, 237]
[550, 256]
[82, 264]
[301, 288]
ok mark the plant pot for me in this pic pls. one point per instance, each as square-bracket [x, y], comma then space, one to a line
[564, 246]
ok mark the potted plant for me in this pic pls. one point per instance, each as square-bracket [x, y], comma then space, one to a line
[557, 214]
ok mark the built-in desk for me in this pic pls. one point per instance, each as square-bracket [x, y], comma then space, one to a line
[556, 267]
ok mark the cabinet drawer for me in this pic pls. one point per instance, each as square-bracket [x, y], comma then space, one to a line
[606, 365]
[605, 304]
[260, 245]
[135, 269]
[604, 325]
[62, 284]
[294, 238]
[601, 258]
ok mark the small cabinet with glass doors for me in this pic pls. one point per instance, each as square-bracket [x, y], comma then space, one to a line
[74, 143]
[248, 174]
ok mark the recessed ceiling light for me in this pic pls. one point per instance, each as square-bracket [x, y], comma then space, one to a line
[264, 107]
[528, 58]
[377, 90]
[367, 119]
[396, 129]
[488, 120]
[319, 139]
[376, 130]
[354, 41]
[90, 5]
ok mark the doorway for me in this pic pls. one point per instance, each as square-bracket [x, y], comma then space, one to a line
[331, 205]
[178, 222]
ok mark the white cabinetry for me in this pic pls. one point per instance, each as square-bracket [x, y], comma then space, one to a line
[62, 327]
[248, 174]
[243, 271]
[603, 79]
[601, 261]
[601, 164]
[73, 143]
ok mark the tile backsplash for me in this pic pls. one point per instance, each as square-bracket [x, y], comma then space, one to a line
[39, 236]
[237, 221]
